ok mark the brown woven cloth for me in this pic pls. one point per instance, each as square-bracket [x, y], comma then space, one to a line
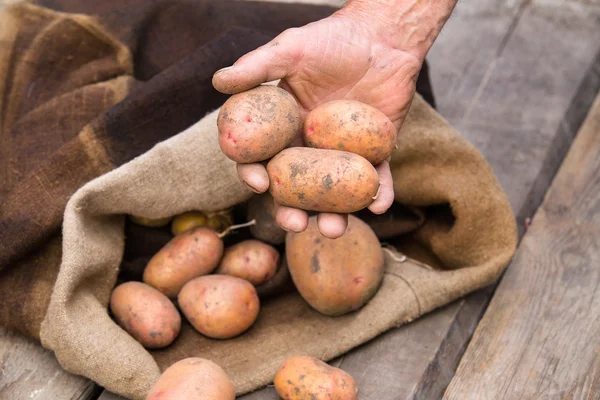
[84, 95]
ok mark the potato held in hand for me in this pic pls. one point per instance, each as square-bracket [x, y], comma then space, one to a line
[257, 124]
[336, 276]
[219, 306]
[191, 254]
[352, 126]
[251, 260]
[146, 314]
[193, 379]
[322, 180]
[303, 377]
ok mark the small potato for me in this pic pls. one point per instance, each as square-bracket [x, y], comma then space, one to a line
[251, 260]
[279, 284]
[352, 126]
[335, 276]
[219, 220]
[149, 222]
[189, 220]
[193, 379]
[257, 124]
[146, 314]
[219, 306]
[261, 208]
[303, 377]
[322, 180]
[191, 254]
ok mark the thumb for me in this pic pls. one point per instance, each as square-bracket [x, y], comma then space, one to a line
[275, 60]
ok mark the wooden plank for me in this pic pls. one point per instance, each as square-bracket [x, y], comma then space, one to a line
[482, 56]
[540, 336]
[27, 371]
[106, 395]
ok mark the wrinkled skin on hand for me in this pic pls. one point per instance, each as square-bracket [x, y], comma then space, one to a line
[339, 57]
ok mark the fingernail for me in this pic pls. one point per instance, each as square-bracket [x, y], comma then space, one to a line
[291, 228]
[223, 69]
[252, 188]
[285, 228]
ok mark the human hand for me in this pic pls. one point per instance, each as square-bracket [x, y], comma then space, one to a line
[348, 55]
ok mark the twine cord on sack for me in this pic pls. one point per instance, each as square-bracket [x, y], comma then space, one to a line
[394, 257]
[386, 248]
[391, 252]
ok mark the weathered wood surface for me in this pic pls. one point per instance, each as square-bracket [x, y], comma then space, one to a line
[27, 371]
[540, 336]
[106, 395]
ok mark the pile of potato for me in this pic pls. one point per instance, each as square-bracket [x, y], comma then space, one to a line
[216, 287]
[213, 287]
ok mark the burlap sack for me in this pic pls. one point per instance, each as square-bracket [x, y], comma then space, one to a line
[469, 231]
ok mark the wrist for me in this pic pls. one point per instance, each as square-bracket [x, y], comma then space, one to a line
[408, 25]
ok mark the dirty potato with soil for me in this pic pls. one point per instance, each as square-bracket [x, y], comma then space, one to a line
[257, 124]
[335, 276]
[219, 306]
[251, 260]
[352, 126]
[303, 377]
[191, 254]
[146, 314]
[322, 180]
[193, 379]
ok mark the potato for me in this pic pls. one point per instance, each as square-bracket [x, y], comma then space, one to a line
[146, 314]
[193, 379]
[352, 126]
[257, 124]
[303, 377]
[262, 209]
[219, 306]
[220, 220]
[188, 220]
[251, 260]
[335, 276]
[150, 222]
[217, 220]
[279, 284]
[322, 180]
[191, 254]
